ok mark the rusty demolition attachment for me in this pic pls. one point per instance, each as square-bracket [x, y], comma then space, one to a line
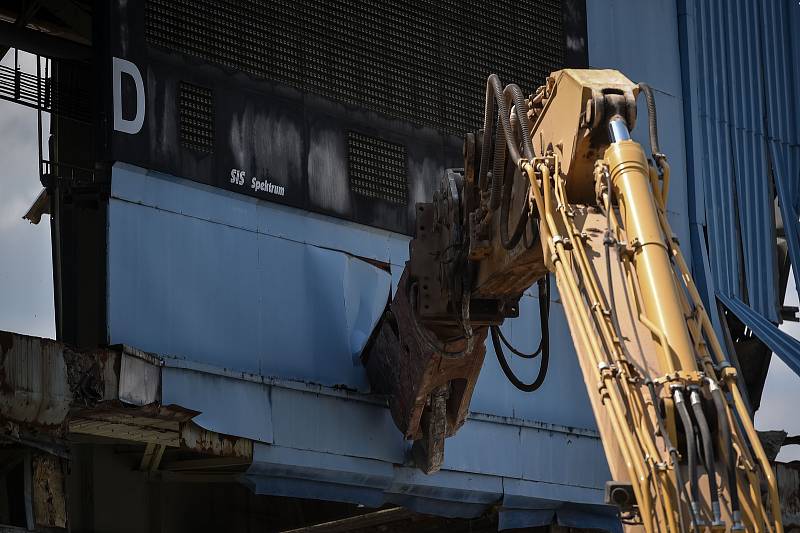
[554, 184]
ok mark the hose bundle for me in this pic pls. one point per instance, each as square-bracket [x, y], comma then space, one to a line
[504, 144]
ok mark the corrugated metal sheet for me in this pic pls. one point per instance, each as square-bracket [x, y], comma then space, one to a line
[782, 79]
[34, 385]
[741, 79]
[784, 345]
[732, 164]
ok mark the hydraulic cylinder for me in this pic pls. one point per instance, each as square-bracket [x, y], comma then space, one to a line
[659, 294]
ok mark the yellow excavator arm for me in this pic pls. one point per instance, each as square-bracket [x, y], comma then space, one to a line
[553, 184]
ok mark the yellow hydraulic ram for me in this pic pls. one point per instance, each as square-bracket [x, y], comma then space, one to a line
[678, 437]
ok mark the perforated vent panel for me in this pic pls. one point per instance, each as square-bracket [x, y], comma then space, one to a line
[377, 168]
[424, 62]
[196, 108]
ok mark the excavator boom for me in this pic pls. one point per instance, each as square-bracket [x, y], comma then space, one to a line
[554, 185]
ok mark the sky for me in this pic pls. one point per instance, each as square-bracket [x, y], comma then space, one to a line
[26, 283]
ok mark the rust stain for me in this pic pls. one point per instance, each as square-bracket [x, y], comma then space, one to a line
[211, 443]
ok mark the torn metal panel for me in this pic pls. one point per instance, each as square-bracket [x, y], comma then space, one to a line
[40, 206]
[782, 344]
[267, 275]
[139, 377]
[33, 380]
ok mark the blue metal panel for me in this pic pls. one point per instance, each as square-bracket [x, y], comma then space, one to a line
[524, 494]
[784, 345]
[740, 67]
[495, 395]
[715, 172]
[565, 515]
[511, 448]
[302, 474]
[732, 52]
[314, 422]
[786, 167]
[782, 80]
[253, 306]
[453, 494]
[192, 281]
[180, 196]
[245, 411]
[526, 511]
[525, 518]
[168, 278]
[637, 38]
[575, 516]
[283, 471]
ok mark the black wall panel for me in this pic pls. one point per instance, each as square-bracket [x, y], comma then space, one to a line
[266, 97]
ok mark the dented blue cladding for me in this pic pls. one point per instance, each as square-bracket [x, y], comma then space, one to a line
[265, 309]
[211, 283]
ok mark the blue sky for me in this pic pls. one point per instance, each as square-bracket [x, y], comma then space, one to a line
[26, 283]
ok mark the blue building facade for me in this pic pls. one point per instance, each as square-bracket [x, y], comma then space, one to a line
[261, 310]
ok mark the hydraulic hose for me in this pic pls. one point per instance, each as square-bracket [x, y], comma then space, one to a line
[725, 435]
[498, 170]
[708, 454]
[680, 488]
[691, 450]
[545, 359]
[494, 100]
[513, 91]
[521, 106]
[652, 122]
[544, 320]
[488, 130]
[501, 358]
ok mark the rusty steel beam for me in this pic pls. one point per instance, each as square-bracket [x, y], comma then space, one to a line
[48, 391]
[195, 438]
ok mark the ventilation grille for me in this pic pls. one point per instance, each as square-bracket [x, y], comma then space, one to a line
[377, 168]
[425, 62]
[196, 105]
